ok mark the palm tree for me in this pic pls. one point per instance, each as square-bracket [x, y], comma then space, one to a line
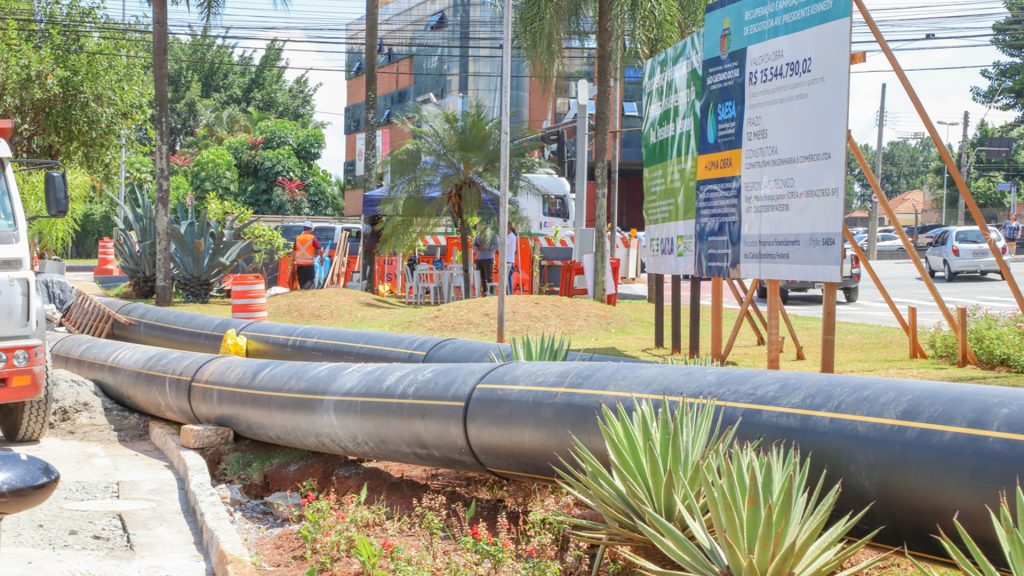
[449, 171]
[647, 26]
[208, 10]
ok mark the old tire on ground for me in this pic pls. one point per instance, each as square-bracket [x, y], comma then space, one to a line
[851, 294]
[27, 421]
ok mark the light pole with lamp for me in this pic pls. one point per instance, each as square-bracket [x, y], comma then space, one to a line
[945, 170]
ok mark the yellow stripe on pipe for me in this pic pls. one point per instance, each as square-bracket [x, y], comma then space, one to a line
[119, 367]
[352, 344]
[320, 397]
[765, 408]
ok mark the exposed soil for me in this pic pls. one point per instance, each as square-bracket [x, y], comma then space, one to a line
[81, 411]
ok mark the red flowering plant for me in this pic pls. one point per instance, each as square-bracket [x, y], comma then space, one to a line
[256, 142]
[295, 189]
[181, 160]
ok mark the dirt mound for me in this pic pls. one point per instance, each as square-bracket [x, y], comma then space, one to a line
[81, 411]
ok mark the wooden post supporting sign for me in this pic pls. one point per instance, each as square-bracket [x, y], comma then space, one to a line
[659, 310]
[694, 317]
[738, 296]
[716, 319]
[912, 320]
[744, 306]
[677, 306]
[828, 329]
[774, 343]
[961, 337]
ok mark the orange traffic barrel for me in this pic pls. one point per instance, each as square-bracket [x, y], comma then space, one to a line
[106, 265]
[249, 297]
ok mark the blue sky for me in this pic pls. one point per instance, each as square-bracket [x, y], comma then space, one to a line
[945, 93]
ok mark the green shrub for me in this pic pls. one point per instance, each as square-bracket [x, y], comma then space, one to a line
[213, 172]
[996, 339]
[536, 349]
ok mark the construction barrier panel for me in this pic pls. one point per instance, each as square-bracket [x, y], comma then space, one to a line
[249, 297]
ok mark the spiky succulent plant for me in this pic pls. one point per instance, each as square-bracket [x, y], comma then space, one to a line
[135, 241]
[203, 252]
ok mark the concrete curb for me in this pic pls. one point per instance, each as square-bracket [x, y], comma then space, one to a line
[228, 553]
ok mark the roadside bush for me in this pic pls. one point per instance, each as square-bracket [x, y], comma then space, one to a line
[997, 340]
[213, 172]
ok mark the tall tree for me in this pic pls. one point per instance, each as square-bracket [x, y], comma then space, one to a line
[55, 71]
[208, 10]
[645, 26]
[1005, 88]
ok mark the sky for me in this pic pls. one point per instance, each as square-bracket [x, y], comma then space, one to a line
[944, 93]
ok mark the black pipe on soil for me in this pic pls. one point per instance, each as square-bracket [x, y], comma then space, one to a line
[155, 326]
[918, 452]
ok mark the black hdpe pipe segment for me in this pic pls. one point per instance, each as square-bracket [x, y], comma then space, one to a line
[191, 332]
[917, 452]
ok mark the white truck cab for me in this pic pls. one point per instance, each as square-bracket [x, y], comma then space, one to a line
[24, 395]
[549, 205]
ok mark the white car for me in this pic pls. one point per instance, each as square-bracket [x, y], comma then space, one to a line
[887, 242]
[962, 250]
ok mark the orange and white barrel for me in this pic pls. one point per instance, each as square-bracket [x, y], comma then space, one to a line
[106, 264]
[249, 298]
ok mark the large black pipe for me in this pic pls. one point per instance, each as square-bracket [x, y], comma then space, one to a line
[921, 452]
[155, 326]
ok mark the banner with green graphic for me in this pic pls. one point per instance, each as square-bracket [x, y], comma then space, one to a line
[672, 92]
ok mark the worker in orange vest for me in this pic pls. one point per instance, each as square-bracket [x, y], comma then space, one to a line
[307, 248]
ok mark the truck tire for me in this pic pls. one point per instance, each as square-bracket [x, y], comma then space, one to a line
[27, 421]
[851, 294]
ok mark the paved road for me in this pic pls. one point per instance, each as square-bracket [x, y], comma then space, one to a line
[903, 283]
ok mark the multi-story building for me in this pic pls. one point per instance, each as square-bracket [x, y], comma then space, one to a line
[449, 52]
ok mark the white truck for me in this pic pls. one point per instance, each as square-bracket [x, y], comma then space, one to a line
[24, 393]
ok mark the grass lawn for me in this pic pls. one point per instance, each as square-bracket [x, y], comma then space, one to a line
[626, 329]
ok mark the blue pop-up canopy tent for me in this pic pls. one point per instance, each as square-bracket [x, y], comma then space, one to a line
[373, 199]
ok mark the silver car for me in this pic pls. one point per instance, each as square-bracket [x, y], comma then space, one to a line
[962, 250]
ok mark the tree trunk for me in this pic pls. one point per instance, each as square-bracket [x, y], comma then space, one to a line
[605, 68]
[164, 284]
[464, 238]
[370, 104]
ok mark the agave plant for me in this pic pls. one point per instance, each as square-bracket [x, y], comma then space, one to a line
[540, 349]
[1008, 530]
[135, 242]
[655, 457]
[762, 518]
[204, 251]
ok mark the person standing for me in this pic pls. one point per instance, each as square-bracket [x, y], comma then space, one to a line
[511, 243]
[1011, 231]
[307, 248]
[484, 246]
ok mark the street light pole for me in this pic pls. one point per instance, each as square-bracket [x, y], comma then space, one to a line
[506, 97]
[945, 170]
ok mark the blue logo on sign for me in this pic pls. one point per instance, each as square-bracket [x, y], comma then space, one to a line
[726, 111]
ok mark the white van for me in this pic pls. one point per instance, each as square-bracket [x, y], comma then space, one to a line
[549, 205]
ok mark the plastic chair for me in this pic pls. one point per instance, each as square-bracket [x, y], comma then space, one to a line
[410, 284]
[427, 279]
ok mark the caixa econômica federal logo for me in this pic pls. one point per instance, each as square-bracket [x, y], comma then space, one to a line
[671, 245]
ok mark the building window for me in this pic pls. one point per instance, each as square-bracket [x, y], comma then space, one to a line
[358, 68]
[437, 21]
[630, 109]
[385, 118]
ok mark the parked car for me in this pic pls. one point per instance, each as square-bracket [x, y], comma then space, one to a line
[856, 231]
[887, 242]
[962, 250]
[919, 233]
[926, 238]
[886, 229]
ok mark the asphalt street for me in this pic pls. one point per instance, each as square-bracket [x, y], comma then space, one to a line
[903, 283]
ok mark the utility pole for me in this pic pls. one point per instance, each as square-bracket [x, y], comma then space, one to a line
[613, 188]
[963, 168]
[506, 120]
[580, 222]
[873, 217]
[945, 169]
[370, 135]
